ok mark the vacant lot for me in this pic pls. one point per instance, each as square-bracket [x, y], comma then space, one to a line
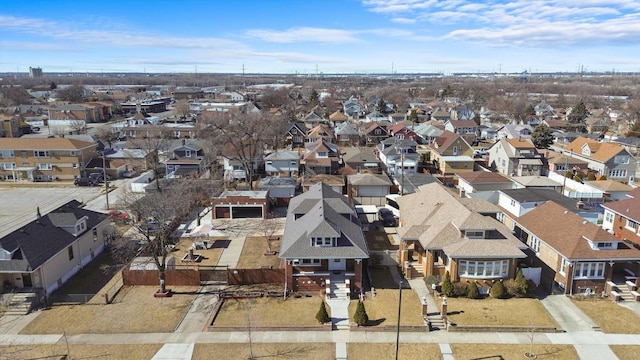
[388, 351]
[269, 311]
[135, 310]
[253, 253]
[383, 308]
[604, 312]
[626, 352]
[508, 352]
[78, 351]
[513, 312]
[307, 351]
[381, 278]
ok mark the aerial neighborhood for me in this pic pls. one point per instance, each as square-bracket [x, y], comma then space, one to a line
[354, 196]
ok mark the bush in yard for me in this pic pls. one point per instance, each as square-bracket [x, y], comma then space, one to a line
[523, 285]
[472, 291]
[447, 286]
[460, 289]
[577, 177]
[497, 290]
[591, 176]
[430, 280]
[322, 315]
[360, 317]
[569, 174]
[603, 177]
[511, 287]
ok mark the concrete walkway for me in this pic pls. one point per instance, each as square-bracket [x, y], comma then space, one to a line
[567, 314]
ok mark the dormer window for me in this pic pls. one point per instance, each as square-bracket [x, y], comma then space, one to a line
[323, 241]
[187, 153]
[474, 234]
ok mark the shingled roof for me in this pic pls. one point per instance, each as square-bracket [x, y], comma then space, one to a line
[322, 212]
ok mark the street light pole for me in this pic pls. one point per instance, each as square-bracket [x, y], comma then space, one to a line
[399, 310]
[104, 174]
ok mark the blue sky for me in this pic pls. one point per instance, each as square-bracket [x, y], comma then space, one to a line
[332, 36]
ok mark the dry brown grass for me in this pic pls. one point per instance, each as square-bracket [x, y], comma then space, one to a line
[381, 278]
[383, 308]
[80, 351]
[210, 256]
[602, 311]
[626, 352]
[269, 312]
[388, 351]
[134, 311]
[307, 351]
[512, 351]
[511, 312]
[253, 253]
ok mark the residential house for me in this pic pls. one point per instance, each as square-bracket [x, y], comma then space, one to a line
[12, 127]
[187, 158]
[410, 183]
[347, 133]
[515, 157]
[596, 125]
[427, 133]
[441, 115]
[451, 154]
[399, 156]
[375, 117]
[401, 132]
[323, 244]
[352, 108]
[466, 128]
[441, 233]
[622, 218]
[335, 182]
[511, 131]
[515, 203]
[478, 181]
[612, 190]
[574, 255]
[555, 124]
[608, 159]
[321, 157]
[537, 182]
[282, 163]
[543, 109]
[562, 163]
[488, 132]
[360, 159]
[44, 159]
[237, 160]
[321, 132]
[337, 118]
[374, 133]
[46, 252]
[368, 189]
[296, 134]
[313, 118]
[187, 93]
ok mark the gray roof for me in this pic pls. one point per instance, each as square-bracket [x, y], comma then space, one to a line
[283, 155]
[322, 212]
[369, 180]
[35, 243]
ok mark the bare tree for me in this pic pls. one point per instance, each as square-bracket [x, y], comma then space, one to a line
[77, 126]
[269, 227]
[153, 148]
[105, 134]
[181, 109]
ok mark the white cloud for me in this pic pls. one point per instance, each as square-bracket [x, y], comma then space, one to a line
[303, 34]
[400, 20]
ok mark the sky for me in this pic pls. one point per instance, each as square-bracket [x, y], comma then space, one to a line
[320, 36]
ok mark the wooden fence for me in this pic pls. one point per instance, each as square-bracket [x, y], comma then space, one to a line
[183, 277]
[255, 276]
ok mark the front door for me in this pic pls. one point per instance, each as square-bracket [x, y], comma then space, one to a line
[337, 265]
[26, 280]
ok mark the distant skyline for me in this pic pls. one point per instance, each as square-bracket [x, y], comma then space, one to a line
[330, 36]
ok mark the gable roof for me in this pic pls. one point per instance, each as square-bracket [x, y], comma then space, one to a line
[521, 143]
[38, 241]
[434, 217]
[601, 152]
[322, 212]
[43, 144]
[628, 208]
[442, 142]
[338, 116]
[482, 177]
[369, 180]
[567, 233]
[283, 155]
[463, 123]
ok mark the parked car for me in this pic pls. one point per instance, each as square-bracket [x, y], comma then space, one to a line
[99, 177]
[85, 181]
[119, 216]
[386, 216]
[479, 153]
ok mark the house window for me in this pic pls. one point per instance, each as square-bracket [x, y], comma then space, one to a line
[74, 165]
[564, 265]
[483, 269]
[294, 163]
[513, 202]
[618, 173]
[269, 163]
[500, 217]
[322, 241]
[41, 153]
[474, 234]
[631, 225]
[455, 151]
[132, 133]
[309, 262]
[95, 234]
[608, 217]
[377, 131]
[604, 245]
[534, 244]
[70, 251]
[6, 154]
[621, 159]
[43, 166]
[589, 270]
[7, 166]
[187, 153]
[72, 153]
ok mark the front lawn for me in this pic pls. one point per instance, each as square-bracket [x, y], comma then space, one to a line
[512, 351]
[488, 311]
[383, 308]
[608, 315]
[269, 311]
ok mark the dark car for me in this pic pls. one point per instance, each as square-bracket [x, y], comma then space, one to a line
[386, 216]
[85, 181]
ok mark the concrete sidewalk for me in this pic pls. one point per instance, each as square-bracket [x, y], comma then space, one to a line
[567, 314]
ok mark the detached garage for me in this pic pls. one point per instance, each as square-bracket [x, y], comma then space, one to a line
[241, 205]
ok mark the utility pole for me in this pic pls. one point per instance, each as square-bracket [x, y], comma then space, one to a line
[104, 174]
